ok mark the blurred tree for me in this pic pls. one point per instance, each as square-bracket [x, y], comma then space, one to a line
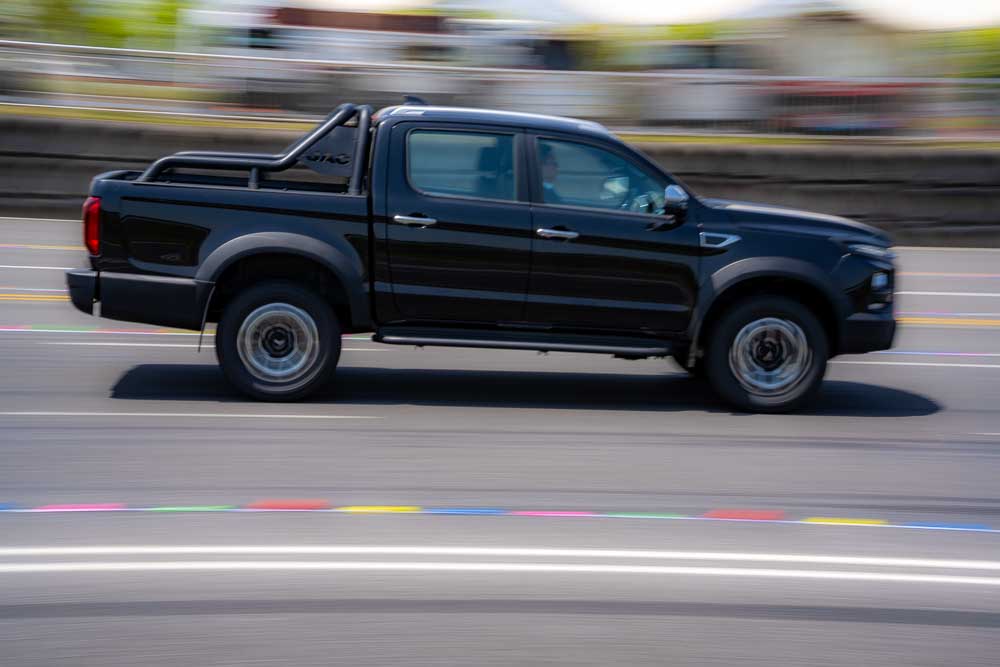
[115, 23]
[60, 20]
[979, 53]
[693, 31]
[967, 53]
[165, 19]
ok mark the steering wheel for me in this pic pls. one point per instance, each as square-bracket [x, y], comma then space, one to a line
[637, 203]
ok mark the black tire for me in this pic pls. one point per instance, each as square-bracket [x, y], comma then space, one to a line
[801, 387]
[277, 308]
[697, 371]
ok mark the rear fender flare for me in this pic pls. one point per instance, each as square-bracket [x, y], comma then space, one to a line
[343, 262]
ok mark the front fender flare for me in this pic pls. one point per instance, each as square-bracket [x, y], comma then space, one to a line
[731, 275]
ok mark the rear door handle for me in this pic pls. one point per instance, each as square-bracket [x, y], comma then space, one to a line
[414, 221]
[557, 234]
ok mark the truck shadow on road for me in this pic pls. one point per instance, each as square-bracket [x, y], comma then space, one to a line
[669, 392]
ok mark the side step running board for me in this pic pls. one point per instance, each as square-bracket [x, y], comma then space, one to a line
[629, 348]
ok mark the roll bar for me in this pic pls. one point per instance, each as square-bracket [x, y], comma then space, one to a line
[264, 162]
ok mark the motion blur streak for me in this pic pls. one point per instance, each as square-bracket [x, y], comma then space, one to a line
[520, 568]
[496, 551]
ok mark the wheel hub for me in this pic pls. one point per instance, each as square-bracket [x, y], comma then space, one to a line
[770, 356]
[278, 342]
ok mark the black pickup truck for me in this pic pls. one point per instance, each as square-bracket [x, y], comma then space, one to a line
[474, 228]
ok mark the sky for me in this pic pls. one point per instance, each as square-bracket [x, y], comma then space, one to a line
[915, 14]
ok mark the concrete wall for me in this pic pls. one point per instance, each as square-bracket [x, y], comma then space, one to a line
[920, 195]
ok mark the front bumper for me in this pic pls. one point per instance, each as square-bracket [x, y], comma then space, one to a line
[160, 300]
[867, 332]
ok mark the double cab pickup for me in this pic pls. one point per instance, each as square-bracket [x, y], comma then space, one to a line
[441, 226]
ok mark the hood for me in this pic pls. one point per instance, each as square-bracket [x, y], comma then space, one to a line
[795, 221]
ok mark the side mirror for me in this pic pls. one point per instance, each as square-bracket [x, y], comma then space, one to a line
[675, 198]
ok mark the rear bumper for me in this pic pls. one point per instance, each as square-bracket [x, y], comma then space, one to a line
[160, 300]
[82, 284]
[867, 332]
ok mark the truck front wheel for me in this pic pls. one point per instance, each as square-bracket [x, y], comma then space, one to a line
[767, 354]
[278, 341]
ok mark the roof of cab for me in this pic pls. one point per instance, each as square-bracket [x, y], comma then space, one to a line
[491, 117]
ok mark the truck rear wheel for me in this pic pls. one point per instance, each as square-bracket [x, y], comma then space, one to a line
[278, 341]
[767, 354]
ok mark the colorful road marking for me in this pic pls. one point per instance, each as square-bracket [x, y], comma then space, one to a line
[746, 514]
[464, 510]
[191, 508]
[82, 507]
[845, 521]
[290, 504]
[321, 506]
[946, 526]
[380, 509]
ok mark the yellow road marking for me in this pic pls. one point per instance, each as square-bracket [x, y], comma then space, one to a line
[33, 297]
[39, 246]
[379, 509]
[949, 321]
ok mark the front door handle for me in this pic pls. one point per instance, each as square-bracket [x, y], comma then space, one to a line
[414, 221]
[557, 234]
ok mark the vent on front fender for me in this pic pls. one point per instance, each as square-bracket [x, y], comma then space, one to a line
[717, 241]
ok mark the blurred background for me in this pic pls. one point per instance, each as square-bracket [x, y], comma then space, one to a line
[835, 67]
[886, 111]
[790, 101]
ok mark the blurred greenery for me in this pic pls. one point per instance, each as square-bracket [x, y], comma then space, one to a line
[976, 53]
[117, 23]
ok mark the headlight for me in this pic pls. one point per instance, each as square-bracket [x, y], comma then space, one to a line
[872, 251]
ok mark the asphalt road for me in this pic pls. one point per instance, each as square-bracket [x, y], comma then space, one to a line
[493, 508]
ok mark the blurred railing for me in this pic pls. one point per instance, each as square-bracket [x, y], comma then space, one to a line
[730, 101]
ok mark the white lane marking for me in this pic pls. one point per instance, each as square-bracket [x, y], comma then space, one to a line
[184, 345]
[916, 363]
[988, 294]
[505, 552]
[47, 268]
[90, 344]
[104, 332]
[904, 353]
[925, 313]
[521, 568]
[183, 415]
[32, 289]
[917, 248]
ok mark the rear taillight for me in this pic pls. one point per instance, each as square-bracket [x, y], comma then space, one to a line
[92, 225]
